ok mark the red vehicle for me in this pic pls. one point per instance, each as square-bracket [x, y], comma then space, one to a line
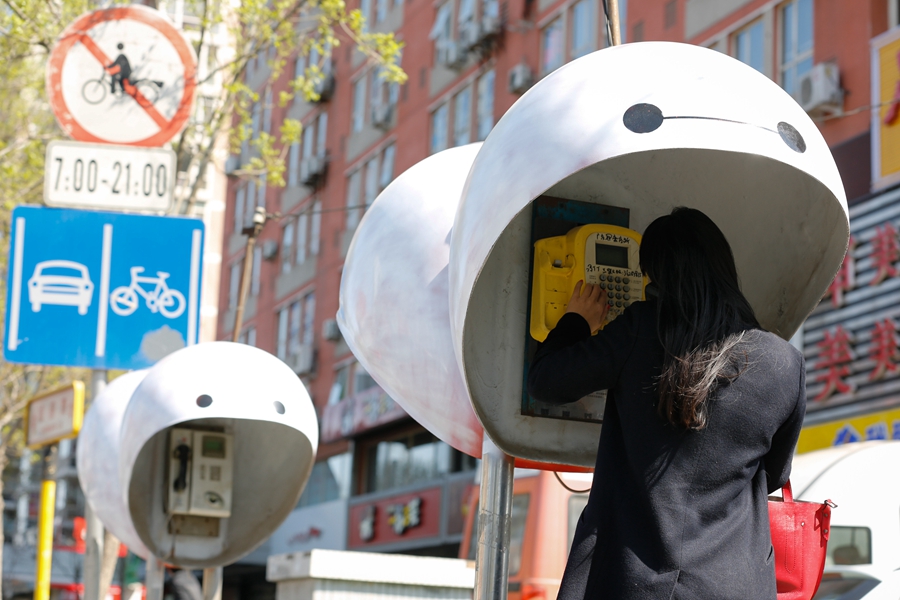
[544, 515]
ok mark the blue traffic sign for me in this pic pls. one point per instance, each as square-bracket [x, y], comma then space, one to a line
[101, 290]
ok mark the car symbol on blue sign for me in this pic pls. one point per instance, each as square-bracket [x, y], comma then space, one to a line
[101, 290]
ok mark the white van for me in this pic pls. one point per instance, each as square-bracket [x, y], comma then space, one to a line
[864, 548]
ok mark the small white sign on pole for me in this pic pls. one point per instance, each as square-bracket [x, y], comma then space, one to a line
[54, 416]
[110, 177]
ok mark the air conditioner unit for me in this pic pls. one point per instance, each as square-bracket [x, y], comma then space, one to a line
[490, 25]
[270, 250]
[330, 330]
[302, 360]
[469, 34]
[520, 78]
[455, 55]
[232, 164]
[819, 90]
[325, 87]
[382, 113]
[312, 170]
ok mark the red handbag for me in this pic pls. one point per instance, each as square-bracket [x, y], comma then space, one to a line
[800, 532]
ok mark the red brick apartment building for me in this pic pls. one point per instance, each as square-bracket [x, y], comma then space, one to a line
[467, 62]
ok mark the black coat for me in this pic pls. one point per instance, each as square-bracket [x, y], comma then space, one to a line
[674, 514]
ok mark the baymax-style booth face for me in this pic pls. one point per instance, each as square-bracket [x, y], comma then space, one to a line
[217, 443]
[575, 171]
[98, 459]
[394, 300]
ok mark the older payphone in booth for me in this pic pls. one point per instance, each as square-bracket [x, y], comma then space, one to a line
[201, 465]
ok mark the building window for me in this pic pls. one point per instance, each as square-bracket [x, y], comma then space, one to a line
[267, 111]
[294, 165]
[748, 46]
[637, 32]
[381, 10]
[315, 230]
[365, 7]
[409, 459]
[321, 134]
[329, 480]
[439, 129]
[671, 13]
[387, 167]
[485, 105]
[254, 120]
[281, 344]
[582, 29]
[255, 273]
[296, 327]
[234, 285]
[552, 46]
[302, 230]
[359, 104]
[239, 199]
[442, 32]
[466, 16]
[340, 389]
[462, 117]
[287, 246]
[354, 211]
[261, 195]
[796, 42]
[371, 181]
[309, 318]
[248, 336]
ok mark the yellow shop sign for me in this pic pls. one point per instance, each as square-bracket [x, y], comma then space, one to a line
[874, 426]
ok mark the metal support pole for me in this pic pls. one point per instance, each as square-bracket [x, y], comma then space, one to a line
[494, 511]
[212, 583]
[93, 551]
[156, 577]
[614, 25]
[45, 526]
[259, 219]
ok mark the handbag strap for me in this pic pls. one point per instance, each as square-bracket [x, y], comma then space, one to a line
[786, 492]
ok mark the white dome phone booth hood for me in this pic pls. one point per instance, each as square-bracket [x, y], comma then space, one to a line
[639, 129]
[255, 436]
[98, 459]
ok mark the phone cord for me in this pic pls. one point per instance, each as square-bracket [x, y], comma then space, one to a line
[563, 483]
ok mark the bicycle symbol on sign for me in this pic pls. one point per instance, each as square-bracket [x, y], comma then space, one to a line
[168, 302]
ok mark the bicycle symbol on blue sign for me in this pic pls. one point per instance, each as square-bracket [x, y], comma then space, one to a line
[169, 303]
[101, 290]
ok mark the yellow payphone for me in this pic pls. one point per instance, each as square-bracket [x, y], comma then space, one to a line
[606, 255]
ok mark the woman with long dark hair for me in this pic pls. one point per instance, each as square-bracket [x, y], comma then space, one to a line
[702, 415]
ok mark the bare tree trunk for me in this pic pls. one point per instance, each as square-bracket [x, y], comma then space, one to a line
[108, 564]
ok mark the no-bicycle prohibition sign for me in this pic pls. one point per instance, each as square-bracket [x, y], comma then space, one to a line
[122, 75]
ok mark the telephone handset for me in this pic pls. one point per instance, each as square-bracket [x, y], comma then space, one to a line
[606, 255]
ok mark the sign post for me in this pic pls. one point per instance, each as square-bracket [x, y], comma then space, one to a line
[121, 81]
[49, 418]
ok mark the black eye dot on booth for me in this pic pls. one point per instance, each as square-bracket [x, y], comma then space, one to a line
[204, 400]
[643, 118]
[791, 137]
[279, 407]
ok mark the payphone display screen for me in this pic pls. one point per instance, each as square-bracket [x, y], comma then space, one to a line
[613, 256]
[213, 446]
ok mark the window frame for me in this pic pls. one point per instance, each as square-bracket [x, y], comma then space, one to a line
[790, 65]
[546, 66]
